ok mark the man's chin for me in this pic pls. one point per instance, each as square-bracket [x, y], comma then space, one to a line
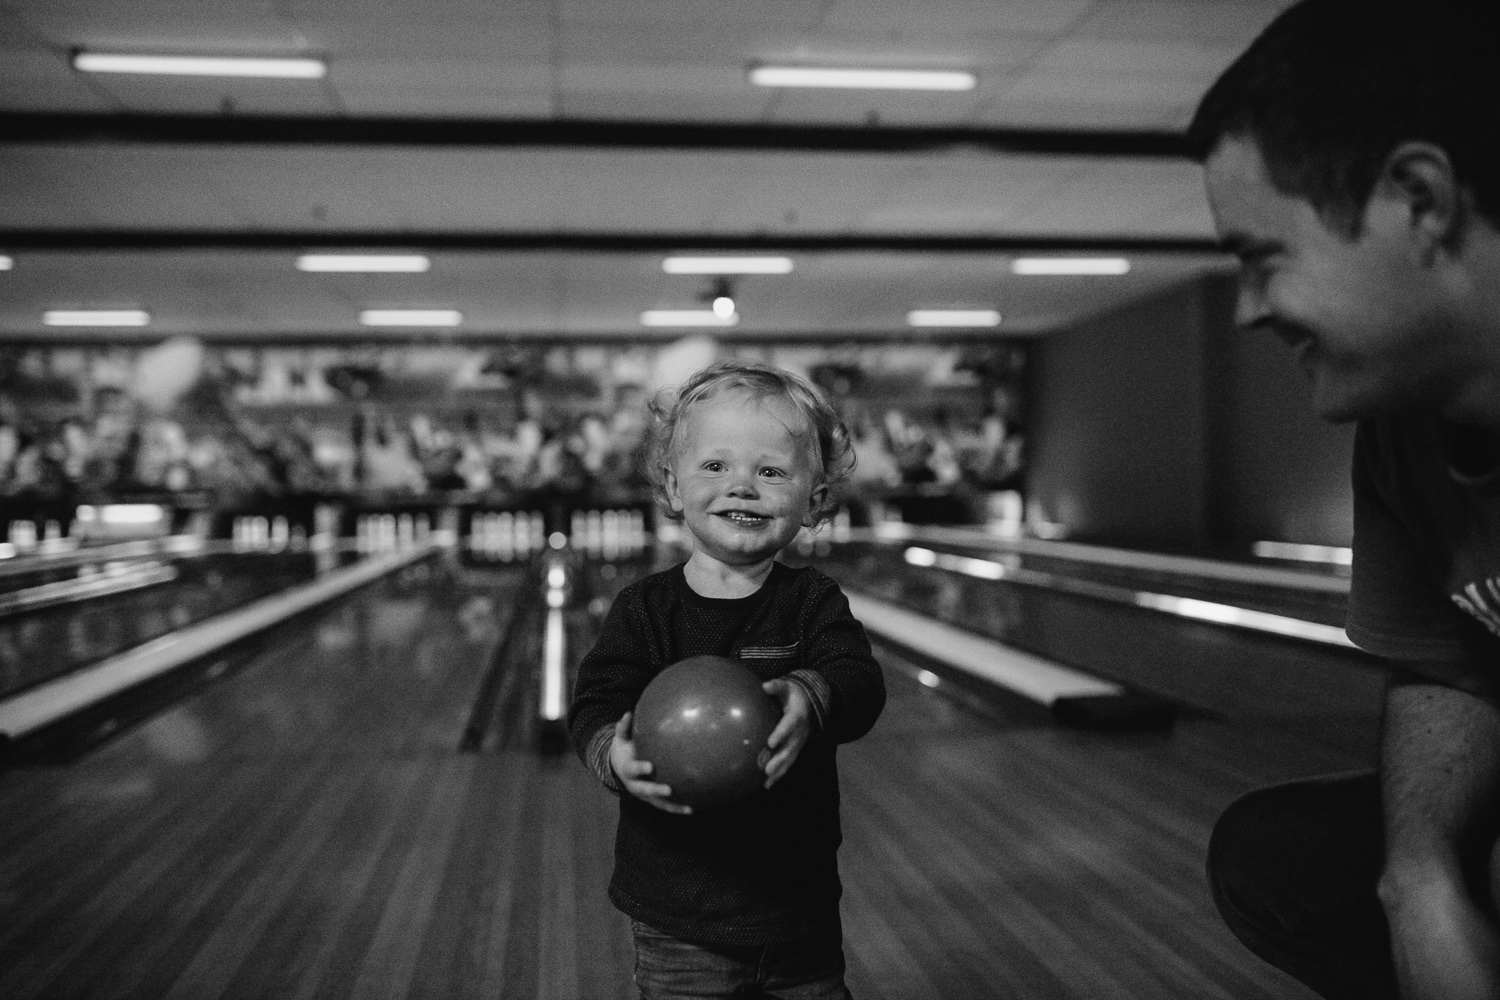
[1342, 407]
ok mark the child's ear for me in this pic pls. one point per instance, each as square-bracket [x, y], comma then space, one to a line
[669, 482]
[814, 501]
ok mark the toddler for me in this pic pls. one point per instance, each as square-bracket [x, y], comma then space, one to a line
[728, 901]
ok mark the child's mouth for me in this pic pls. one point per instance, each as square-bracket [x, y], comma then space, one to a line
[741, 517]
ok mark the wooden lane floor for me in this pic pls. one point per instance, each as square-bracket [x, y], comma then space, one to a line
[1005, 856]
[307, 828]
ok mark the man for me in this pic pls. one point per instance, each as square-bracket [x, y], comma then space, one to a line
[1352, 162]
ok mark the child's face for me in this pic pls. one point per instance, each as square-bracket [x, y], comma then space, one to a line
[743, 483]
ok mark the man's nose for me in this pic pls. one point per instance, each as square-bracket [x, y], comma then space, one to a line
[1250, 306]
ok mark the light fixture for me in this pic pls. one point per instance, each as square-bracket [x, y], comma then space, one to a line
[687, 317]
[347, 263]
[720, 297]
[6, 263]
[298, 68]
[862, 79]
[410, 317]
[96, 317]
[1069, 265]
[953, 317]
[727, 265]
[1336, 554]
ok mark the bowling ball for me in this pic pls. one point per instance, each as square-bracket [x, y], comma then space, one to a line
[703, 724]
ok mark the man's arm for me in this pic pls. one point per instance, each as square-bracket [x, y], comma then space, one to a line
[1440, 763]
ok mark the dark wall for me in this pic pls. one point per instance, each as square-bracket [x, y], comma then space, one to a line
[1278, 472]
[1159, 424]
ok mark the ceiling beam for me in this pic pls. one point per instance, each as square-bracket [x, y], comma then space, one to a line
[520, 338]
[596, 242]
[21, 128]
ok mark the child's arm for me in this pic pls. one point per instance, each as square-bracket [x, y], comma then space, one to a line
[796, 727]
[611, 678]
[633, 773]
[839, 674]
[839, 693]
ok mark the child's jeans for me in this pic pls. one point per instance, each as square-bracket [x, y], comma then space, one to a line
[810, 968]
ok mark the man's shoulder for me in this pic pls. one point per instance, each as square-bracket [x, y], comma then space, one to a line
[1396, 446]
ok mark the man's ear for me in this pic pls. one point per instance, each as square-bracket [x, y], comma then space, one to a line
[1419, 177]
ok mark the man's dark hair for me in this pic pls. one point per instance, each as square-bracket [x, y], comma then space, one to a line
[1332, 86]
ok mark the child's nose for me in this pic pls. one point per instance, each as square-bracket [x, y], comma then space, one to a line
[742, 485]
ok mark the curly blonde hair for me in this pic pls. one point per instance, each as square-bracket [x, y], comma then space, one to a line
[823, 430]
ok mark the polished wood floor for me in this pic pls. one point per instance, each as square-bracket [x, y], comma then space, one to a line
[306, 827]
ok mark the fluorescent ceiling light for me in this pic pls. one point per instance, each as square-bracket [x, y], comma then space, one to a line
[727, 265]
[96, 317]
[687, 317]
[953, 317]
[363, 263]
[410, 317]
[6, 263]
[863, 79]
[109, 62]
[1069, 265]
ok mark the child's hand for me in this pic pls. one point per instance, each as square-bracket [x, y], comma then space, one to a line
[633, 773]
[792, 732]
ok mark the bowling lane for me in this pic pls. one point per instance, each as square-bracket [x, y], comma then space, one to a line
[41, 641]
[1326, 690]
[305, 826]
[1005, 856]
[1310, 592]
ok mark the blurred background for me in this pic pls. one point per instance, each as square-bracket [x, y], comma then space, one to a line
[1009, 283]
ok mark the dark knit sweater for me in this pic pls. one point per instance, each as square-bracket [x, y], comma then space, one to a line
[763, 869]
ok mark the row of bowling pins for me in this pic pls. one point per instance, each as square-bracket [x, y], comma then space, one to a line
[23, 534]
[265, 534]
[388, 532]
[612, 534]
[507, 535]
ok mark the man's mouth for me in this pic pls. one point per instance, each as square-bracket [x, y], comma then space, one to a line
[1294, 337]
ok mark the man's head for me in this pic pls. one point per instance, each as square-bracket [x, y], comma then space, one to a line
[1332, 86]
[1347, 167]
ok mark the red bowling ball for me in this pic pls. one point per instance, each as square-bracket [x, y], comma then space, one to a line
[703, 724]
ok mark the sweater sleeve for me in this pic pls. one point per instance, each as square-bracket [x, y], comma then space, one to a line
[839, 669]
[611, 677]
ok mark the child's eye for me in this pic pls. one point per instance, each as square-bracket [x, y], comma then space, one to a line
[713, 466]
[770, 472]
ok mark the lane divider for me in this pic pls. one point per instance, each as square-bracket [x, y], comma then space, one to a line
[1183, 607]
[1030, 676]
[114, 578]
[41, 706]
[1156, 562]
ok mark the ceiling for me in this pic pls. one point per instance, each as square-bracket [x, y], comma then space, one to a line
[548, 154]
